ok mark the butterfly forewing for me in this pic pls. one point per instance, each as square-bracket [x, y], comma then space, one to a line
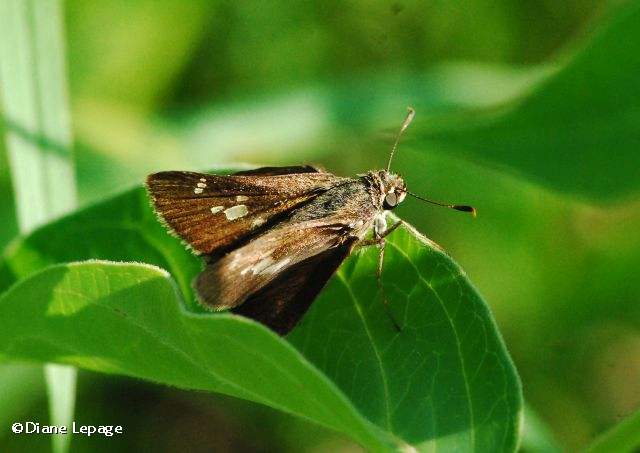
[211, 213]
[272, 171]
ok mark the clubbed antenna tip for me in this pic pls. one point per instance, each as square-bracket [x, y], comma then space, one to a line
[457, 207]
[465, 208]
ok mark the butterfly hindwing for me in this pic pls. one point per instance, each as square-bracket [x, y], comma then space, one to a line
[213, 212]
[229, 281]
[282, 303]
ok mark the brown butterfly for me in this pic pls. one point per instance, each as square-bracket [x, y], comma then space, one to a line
[272, 237]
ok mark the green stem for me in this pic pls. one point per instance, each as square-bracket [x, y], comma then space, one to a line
[38, 135]
[623, 437]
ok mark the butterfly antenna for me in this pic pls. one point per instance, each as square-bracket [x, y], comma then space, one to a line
[411, 113]
[457, 207]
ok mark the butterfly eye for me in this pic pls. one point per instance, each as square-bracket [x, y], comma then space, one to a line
[390, 200]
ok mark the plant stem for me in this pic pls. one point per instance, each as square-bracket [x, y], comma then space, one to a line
[38, 134]
[623, 437]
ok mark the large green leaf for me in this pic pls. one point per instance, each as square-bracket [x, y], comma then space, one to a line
[577, 131]
[445, 381]
[122, 228]
[125, 318]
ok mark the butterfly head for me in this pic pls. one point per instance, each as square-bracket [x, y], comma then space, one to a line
[392, 189]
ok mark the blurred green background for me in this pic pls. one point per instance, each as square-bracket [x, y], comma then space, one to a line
[161, 84]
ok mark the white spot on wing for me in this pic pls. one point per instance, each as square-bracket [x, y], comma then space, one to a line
[203, 180]
[276, 267]
[235, 212]
[201, 185]
[266, 266]
[235, 261]
[216, 209]
[257, 222]
[241, 198]
[197, 190]
[261, 265]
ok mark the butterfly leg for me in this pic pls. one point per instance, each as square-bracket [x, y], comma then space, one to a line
[380, 231]
[393, 227]
[379, 236]
[385, 301]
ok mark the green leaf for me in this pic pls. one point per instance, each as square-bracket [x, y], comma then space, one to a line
[578, 131]
[446, 381]
[536, 435]
[125, 318]
[123, 228]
